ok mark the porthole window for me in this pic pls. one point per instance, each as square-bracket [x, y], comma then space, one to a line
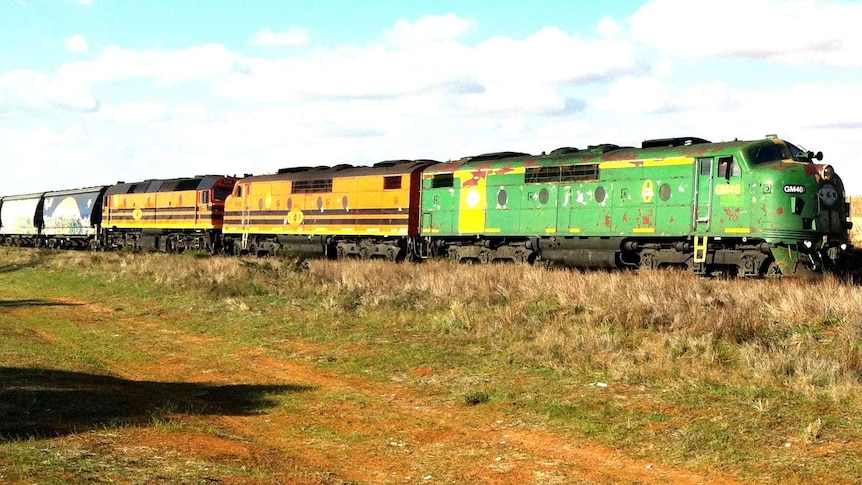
[289, 203]
[502, 198]
[344, 201]
[544, 196]
[664, 192]
[320, 204]
[600, 195]
[260, 204]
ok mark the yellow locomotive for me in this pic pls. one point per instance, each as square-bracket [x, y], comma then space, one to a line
[341, 211]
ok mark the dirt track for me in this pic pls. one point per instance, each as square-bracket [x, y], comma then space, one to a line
[346, 429]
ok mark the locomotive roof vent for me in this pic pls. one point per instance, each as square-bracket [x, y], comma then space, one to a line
[602, 147]
[293, 169]
[342, 166]
[673, 142]
[564, 150]
[496, 156]
[388, 163]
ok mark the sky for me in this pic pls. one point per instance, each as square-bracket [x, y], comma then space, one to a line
[97, 91]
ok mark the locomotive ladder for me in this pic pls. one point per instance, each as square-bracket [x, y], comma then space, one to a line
[700, 243]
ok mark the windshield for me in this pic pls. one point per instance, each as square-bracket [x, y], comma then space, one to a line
[221, 194]
[768, 152]
[799, 154]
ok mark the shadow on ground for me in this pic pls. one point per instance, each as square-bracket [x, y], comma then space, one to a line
[33, 302]
[36, 258]
[36, 403]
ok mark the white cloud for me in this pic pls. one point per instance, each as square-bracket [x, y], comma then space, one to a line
[428, 29]
[553, 56]
[41, 158]
[787, 31]
[77, 43]
[499, 75]
[32, 91]
[417, 91]
[609, 28]
[139, 112]
[293, 36]
[163, 67]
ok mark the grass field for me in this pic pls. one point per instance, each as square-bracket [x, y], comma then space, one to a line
[130, 368]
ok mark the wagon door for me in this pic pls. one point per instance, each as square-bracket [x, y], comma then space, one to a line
[203, 210]
[245, 196]
[704, 182]
[439, 204]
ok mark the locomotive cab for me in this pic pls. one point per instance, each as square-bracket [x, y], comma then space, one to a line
[800, 205]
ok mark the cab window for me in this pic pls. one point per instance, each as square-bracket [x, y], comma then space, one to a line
[727, 167]
[770, 152]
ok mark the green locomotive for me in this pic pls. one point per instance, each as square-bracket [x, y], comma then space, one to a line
[748, 208]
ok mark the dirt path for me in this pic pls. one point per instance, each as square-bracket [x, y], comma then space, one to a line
[351, 429]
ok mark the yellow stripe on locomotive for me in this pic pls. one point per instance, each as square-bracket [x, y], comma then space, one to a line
[342, 200]
[170, 215]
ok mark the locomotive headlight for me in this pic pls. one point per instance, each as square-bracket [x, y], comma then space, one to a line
[826, 173]
[844, 247]
[808, 244]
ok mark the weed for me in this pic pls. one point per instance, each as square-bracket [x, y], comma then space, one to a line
[812, 431]
[474, 398]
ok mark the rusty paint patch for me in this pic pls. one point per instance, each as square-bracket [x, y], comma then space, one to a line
[733, 216]
[476, 177]
[504, 170]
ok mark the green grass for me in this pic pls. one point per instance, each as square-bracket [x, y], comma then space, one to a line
[706, 374]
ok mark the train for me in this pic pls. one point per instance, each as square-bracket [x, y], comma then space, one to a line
[752, 208]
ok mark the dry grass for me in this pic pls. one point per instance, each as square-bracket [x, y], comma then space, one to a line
[706, 372]
[856, 218]
[632, 327]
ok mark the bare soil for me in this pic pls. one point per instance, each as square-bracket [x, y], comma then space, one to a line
[336, 428]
